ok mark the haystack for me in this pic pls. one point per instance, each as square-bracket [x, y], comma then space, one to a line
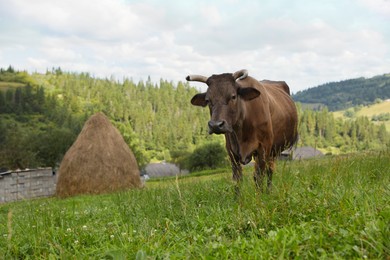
[99, 161]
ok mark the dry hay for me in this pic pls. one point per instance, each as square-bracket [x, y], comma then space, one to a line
[99, 161]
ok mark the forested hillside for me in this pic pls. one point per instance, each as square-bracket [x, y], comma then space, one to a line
[322, 130]
[42, 114]
[154, 119]
[347, 93]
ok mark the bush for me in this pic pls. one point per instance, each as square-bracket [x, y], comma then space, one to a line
[208, 156]
[381, 117]
[350, 113]
[180, 157]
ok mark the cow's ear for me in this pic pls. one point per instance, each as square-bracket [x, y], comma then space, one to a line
[248, 93]
[199, 100]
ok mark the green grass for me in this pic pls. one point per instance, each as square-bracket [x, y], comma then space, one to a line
[337, 207]
[375, 109]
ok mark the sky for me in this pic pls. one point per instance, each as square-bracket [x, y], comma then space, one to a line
[305, 43]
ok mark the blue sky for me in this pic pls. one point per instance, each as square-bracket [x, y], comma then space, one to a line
[305, 43]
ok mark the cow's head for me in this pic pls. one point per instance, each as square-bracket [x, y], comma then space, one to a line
[224, 96]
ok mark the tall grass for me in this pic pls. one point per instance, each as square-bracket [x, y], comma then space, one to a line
[336, 207]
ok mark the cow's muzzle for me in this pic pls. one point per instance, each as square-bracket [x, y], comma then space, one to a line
[218, 127]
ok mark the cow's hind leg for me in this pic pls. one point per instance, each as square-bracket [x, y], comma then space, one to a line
[264, 165]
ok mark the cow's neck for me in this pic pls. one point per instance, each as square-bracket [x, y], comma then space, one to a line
[241, 140]
[238, 126]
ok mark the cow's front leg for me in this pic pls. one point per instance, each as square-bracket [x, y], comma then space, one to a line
[237, 173]
[270, 169]
[231, 146]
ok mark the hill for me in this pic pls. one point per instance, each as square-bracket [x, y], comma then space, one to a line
[347, 93]
[378, 113]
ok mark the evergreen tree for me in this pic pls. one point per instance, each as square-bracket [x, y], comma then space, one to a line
[3, 104]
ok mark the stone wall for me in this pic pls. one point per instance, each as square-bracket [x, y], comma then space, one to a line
[27, 184]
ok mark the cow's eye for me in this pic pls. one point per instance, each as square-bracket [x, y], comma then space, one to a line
[208, 101]
[234, 97]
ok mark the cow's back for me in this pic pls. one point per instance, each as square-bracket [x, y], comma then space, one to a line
[283, 114]
[282, 85]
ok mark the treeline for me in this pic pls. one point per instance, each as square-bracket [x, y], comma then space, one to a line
[156, 120]
[347, 93]
[41, 115]
[35, 128]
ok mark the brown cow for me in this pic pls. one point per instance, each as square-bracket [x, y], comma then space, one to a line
[258, 119]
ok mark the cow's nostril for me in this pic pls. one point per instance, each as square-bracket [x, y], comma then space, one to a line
[217, 126]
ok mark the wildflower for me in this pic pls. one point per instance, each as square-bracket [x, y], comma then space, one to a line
[76, 242]
[84, 227]
[112, 236]
[68, 230]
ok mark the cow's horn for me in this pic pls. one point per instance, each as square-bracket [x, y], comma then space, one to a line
[196, 78]
[241, 74]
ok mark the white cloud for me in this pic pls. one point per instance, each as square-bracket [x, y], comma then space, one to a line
[304, 43]
[103, 20]
[211, 15]
[379, 6]
[39, 64]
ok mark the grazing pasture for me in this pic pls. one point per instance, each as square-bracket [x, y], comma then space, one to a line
[335, 207]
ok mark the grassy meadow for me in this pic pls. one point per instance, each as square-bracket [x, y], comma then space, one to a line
[335, 207]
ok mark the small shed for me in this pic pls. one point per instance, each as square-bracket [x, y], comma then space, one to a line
[163, 169]
[299, 153]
